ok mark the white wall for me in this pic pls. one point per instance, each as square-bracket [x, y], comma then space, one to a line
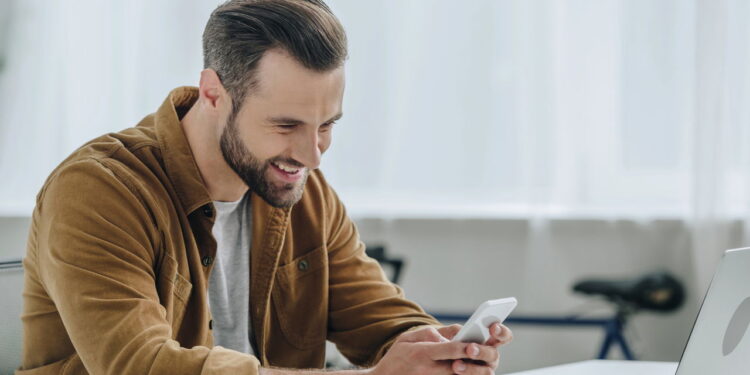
[453, 265]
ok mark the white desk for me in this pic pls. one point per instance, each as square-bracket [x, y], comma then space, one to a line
[607, 368]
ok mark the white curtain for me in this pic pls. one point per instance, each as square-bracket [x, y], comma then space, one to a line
[721, 132]
[520, 107]
[517, 108]
[81, 68]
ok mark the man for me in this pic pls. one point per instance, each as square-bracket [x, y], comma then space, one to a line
[205, 241]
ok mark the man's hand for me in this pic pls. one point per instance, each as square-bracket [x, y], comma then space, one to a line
[499, 335]
[429, 351]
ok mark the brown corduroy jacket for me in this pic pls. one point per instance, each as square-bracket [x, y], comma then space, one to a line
[120, 250]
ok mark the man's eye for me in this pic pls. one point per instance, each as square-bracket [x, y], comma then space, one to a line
[287, 127]
[327, 126]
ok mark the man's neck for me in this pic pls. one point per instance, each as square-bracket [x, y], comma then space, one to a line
[221, 181]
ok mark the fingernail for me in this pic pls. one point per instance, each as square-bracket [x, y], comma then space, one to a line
[498, 330]
[461, 366]
[473, 350]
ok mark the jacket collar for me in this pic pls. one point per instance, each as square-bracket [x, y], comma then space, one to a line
[179, 161]
[269, 223]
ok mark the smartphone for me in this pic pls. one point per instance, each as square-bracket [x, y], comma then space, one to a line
[477, 328]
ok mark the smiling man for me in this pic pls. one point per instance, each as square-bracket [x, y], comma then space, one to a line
[205, 240]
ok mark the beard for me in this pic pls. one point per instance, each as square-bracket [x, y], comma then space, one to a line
[254, 171]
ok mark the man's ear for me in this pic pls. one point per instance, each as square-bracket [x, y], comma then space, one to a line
[211, 90]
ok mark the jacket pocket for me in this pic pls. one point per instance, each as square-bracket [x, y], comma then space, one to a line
[174, 291]
[301, 299]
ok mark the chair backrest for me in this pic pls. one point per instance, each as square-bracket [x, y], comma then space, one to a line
[11, 304]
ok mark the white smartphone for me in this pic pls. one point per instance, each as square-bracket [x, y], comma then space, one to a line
[477, 328]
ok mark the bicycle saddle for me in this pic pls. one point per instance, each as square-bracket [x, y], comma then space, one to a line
[655, 291]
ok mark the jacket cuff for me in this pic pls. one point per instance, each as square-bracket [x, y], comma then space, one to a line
[222, 361]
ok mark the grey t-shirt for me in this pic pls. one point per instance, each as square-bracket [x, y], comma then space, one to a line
[229, 282]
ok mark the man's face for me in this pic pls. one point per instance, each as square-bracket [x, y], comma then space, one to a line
[283, 127]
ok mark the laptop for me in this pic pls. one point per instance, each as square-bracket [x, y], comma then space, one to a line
[720, 343]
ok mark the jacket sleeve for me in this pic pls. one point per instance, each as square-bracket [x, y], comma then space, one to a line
[366, 311]
[96, 257]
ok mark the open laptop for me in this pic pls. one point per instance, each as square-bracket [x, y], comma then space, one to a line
[719, 343]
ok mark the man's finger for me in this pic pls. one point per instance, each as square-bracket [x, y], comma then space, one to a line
[459, 350]
[482, 353]
[445, 350]
[499, 335]
[469, 368]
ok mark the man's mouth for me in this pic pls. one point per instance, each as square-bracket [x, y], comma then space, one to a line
[287, 172]
[286, 168]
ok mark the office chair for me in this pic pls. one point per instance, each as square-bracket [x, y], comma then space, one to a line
[395, 264]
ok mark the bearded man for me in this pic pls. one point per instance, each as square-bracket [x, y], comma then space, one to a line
[204, 240]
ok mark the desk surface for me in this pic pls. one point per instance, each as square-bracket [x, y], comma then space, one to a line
[607, 368]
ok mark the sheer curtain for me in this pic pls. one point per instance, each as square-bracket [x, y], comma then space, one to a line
[512, 108]
[721, 132]
[78, 69]
[551, 107]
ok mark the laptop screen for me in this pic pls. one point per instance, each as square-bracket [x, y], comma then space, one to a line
[719, 343]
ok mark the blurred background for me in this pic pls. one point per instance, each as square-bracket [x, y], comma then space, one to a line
[499, 147]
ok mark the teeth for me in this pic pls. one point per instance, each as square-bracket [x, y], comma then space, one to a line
[286, 168]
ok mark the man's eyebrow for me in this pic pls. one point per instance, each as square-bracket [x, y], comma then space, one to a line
[283, 120]
[336, 118]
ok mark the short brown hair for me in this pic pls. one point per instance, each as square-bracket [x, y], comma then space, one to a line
[239, 32]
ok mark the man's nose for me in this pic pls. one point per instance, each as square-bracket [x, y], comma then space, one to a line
[307, 150]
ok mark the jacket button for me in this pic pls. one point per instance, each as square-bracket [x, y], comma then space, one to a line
[207, 260]
[303, 265]
[208, 210]
[211, 324]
